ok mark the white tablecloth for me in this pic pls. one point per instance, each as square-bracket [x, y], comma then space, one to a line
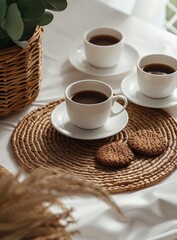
[152, 211]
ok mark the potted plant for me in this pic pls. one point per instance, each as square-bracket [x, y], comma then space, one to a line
[21, 24]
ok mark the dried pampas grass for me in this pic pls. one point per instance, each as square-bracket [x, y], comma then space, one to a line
[25, 205]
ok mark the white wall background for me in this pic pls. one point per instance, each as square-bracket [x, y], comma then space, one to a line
[150, 10]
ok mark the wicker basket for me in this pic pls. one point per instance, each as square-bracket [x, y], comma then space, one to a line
[20, 75]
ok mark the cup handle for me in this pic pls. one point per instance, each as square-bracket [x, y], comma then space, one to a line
[114, 99]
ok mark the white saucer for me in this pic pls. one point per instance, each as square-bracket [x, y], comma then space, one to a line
[61, 123]
[127, 62]
[130, 89]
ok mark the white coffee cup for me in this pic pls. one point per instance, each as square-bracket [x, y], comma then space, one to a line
[103, 56]
[91, 115]
[157, 75]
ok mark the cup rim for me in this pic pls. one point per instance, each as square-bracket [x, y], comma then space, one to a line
[88, 80]
[121, 40]
[155, 55]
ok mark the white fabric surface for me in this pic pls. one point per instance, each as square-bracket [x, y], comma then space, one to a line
[152, 211]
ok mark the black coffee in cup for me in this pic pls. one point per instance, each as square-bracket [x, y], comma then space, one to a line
[89, 97]
[104, 40]
[158, 69]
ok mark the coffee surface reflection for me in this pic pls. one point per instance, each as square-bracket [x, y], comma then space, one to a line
[158, 69]
[103, 40]
[89, 97]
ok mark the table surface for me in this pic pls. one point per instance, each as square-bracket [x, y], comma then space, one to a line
[152, 211]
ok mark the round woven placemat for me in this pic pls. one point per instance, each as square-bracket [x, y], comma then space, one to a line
[36, 143]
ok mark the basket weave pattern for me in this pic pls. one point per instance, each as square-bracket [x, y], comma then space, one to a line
[20, 75]
[36, 143]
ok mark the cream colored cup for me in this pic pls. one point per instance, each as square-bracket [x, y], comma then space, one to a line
[103, 56]
[157, 85]
[91, 116]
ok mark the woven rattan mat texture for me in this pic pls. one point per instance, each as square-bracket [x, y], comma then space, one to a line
[36, 143]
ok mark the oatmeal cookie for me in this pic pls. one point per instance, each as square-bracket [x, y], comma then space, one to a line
[147, 142]
[114, 154]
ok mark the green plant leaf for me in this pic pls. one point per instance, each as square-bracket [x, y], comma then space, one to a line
[56, 5]
[46, 18]
[3, 7]
[9, 2]
[50, 7]
[5, 43]
[3, 33]
[3, 24]
[22, 44]
[14, 22]
[29, 28]
[31, 9]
